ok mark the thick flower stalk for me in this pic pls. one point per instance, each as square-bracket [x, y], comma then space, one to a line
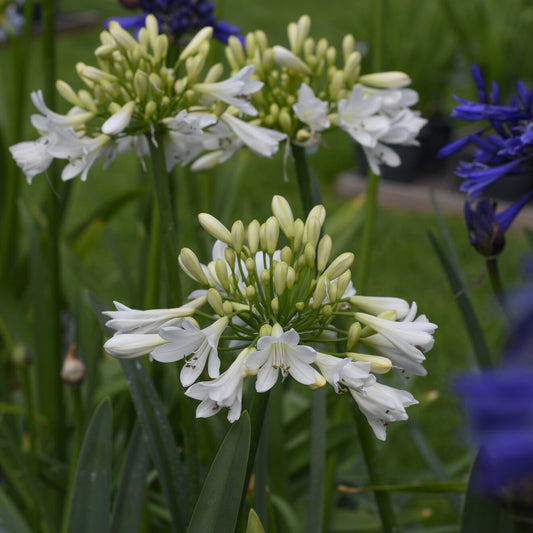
[134, 95]
[307, 93]
[268, 306]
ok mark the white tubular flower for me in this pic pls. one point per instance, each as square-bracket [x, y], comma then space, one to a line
[78, 116]
[235, 91]
[381, 405]
[127, 346]
[127, 320]
[311, 110]
[224, 391]
[357, 117]
[378, 304]
[344, 373]
[200, 344]
[285, 58]
[403, 342]
[262, 141]
[281, 352]
[381, 154]
[32, 156]
[119, 121]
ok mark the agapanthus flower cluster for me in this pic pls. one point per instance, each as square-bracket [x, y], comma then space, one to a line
[178, 18]
[499, 405]
[503, 143]
[267, 310]
[133, 95]
[306, 93]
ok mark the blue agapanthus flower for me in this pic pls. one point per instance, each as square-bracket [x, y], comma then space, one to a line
[499, 406]
[503, 145]
[178, 17]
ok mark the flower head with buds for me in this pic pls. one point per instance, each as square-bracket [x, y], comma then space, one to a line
[133, 94]
[273, 295]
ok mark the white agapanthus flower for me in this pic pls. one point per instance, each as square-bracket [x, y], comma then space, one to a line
[265, 309]
[311, 110]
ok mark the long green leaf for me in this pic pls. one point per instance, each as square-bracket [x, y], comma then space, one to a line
[11, 520]
[129, 501]
[158, 432]
[91, 494]
[473, 326]
[217, 507]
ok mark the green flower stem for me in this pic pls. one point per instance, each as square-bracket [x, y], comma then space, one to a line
[169, 229]
[309, 194]
[366, 438]
[315, 514]
[495, 279]
[153, 265]
[368, 231]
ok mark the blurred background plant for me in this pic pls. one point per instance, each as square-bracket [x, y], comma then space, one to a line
[102, 241]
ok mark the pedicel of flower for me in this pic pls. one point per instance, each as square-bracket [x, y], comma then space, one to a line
[268, 309]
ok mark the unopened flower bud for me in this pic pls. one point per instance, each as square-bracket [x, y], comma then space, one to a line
[250, 292]
[285, 58]
[120, 120]
[331, 55]
[299, 229]
[353, 335]
[215, 228]
[250, 265]
[279, 277]
[253, 236]
[309, 254]
[265, 330]
[323, 252]
[290, 278]
[191, 266]
[343, 281]
[229, 255]
[66, 91]
[237, 235]
[386, 80]
[73, 370]
[202, 36]
[286, 255]
[285, 121]
[282, 211]
[336, 84]
[274, 304]
[339, 265]
[379, 364]
[320, 381]
[221, 271]
[271, 234]
[312, 231]
[320, 292]
[160, 48]
[215, 301]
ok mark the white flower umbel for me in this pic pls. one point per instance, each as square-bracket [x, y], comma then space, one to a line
[127, 320]
[280, 352]
[381, 405]
[130, 345]
[224, 391]
[199, 344]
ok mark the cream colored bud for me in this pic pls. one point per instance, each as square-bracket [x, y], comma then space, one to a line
[379, 364]
[265, 277]
[332, 291]
[250, 292]
[274, 304]
[105, 50]
[285, 58]
[309, 48]
[309, 254]
[234, 44]
[250, 44]
[285, 121]
[339, 265]
[283, 212]
[191, 266]
[286, 255]
[181, 85]
[204, 35]
[250, 265]
[386, 80]
[94, 74]
[336, 85]
[303, 135]
[140, 83]
[326, 312]
[193, 66]
[343, 281]
[348, 46]
[300, 306]
[268, 63]
[231, 59]
[318, 211]
[302, 31]
[279, 277]
[292, 33]
[389, 314]
[229, 255]
[299, 230]
[321, 48]
[320, 292]
[214, 73]
[221, 271]
[152, 26]
[261, 40]
[122, 37]
[290, 279]
[271, 234]
[215, 228]
[227, 308]
[160, 48]
[312, 231]
[253, 236]
[320, 381]
[73, 370]
[323, 252]
[149, 109]
[237, 235]
[331, 55]
[66, 91]
[215, 301]
[352, 63]
[353, 335]
[265, 330]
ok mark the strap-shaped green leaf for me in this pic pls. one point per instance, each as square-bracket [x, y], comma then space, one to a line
[90, 502]
[218, 506]
[10, 519]
[129, 502]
